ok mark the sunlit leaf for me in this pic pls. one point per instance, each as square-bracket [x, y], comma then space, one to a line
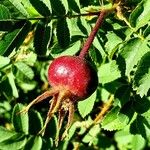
[142, 75]
[86, 106]
[131, 53]
[25, 70]
[18, 5]
[34, 143]
[141, 14]
[108, 72]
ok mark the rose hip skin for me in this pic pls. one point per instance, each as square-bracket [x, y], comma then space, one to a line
[73, 74]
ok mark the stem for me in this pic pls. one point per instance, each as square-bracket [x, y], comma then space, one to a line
[104, 110]
[56, 17]
[92, 35]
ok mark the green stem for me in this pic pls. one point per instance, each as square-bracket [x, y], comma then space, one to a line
[56, 17]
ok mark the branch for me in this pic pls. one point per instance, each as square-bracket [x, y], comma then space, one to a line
[104, 110]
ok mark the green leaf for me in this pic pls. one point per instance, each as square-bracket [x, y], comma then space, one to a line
[108, 72]
[4, 13]
[35, 122]
[140, 15]
[12, 84]
[140, 126]
[126, 140]
[74, 5]
[52, 128]
[147, 31]
[18, 5]
[114, 120]
[113, 41]
[91, 136]
[14, 38]
[6, 134]
[123, 94]
[97, 44]
[141, 105]
[60, 7]
[42, 38]
[86, 106]
[34, 143]
[43, 7]
[132, 51]
[142, 75]
[15, 142]
[20, 121]
[25, 70]
[63, 33]
[4, 61]
[72, 50]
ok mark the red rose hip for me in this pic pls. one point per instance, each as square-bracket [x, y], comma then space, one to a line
[73, 74]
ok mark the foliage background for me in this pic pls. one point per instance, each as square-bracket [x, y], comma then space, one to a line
[34, 32]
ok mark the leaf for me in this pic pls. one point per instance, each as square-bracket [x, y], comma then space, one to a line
[97, 44]
[35, 122]
[4, 13]
[114, 120]
[43, 7]
[18, 5]
[25, 70]
[140, 15]
[123, 94]
[147, 31]
[126, 140]
[42, 38]
[15, 142]
[91, 136]
[34, 143]
[113, 41]
[142, 75]
[141, 105]
[140, 126]
[14, 38]
[12, 84]
[72, 50]
[20, 121]
[63, 33]
[74, 5]
[6, 134]
[60, 7]
[108, 72]
[86, 106]
[132, 51]
[4, 61]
